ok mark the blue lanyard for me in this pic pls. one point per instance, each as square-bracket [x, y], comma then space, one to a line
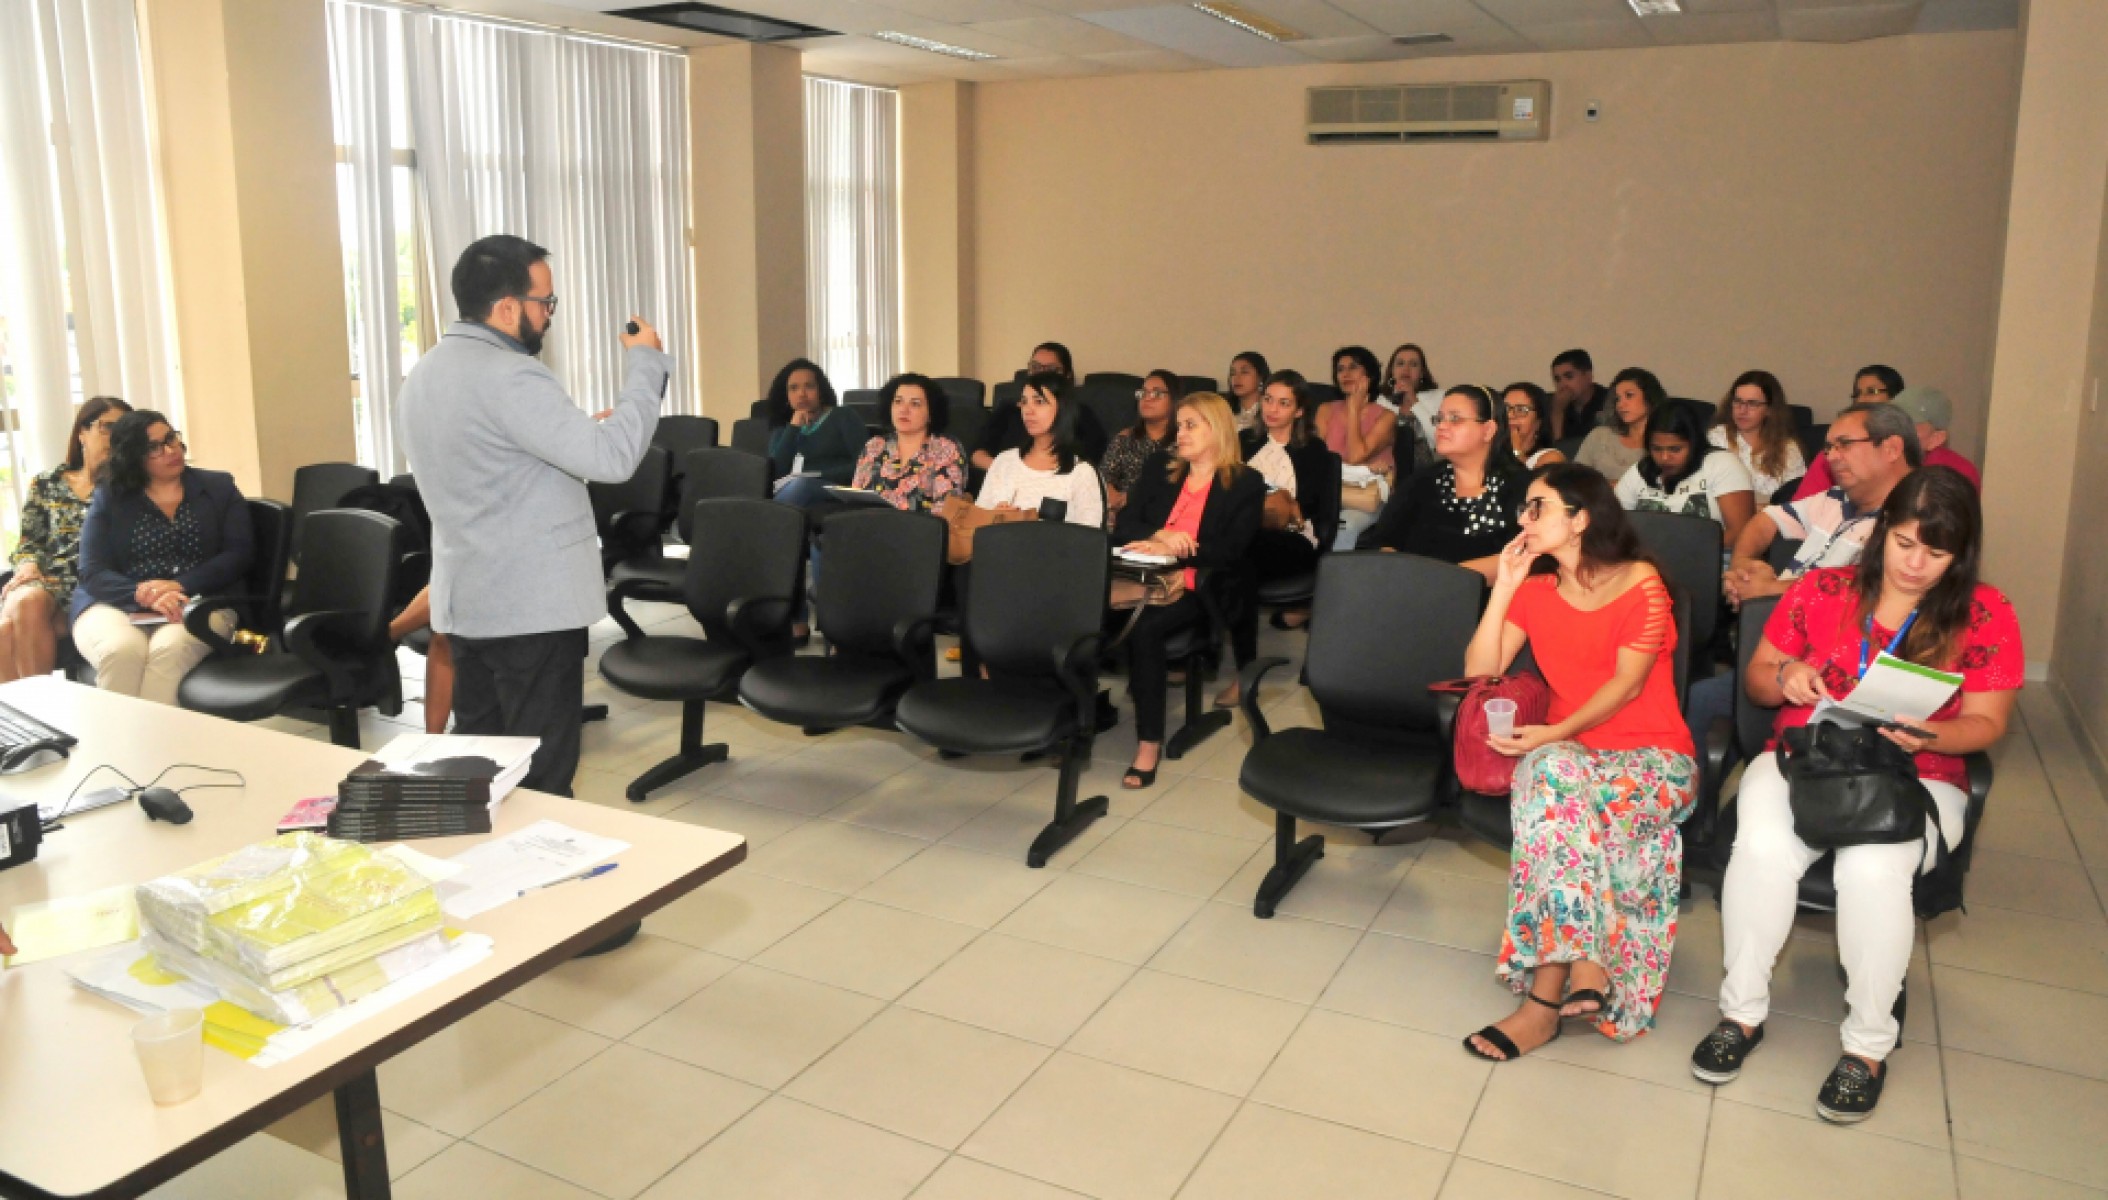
[1866, 639]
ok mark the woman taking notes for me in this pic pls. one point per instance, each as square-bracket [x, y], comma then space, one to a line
[1597, 862]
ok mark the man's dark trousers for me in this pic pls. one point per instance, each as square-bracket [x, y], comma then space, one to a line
[528, 685]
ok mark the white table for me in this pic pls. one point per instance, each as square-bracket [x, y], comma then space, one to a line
[75, 1119]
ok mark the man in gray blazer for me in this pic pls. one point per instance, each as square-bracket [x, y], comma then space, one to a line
[502, 457]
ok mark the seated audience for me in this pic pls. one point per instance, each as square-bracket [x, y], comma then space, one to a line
[1045, 463]
[1529, 412]
[1358, 429]
[915, 466]
[1001, 431]
[1915, 593]
[1247, 379]
[1150, 434]
[811, 434]
[1754, 421]
[158, 534]
[1463, 511]
[1201, 505]
[1411, 388]
[34, 603]
[1932, 412]
[1876, 384]
[439, 659]
[1598, 860]
[1288, 456]
[1579, 403]
[1685, 473]
[1620, 441]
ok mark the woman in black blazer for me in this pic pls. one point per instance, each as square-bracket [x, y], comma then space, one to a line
[1200, 505]
[1284, 450]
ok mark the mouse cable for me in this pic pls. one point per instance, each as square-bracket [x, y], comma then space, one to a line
[52, 823]
[241, 780]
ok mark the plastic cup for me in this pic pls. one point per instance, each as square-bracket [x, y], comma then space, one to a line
[171, 1050]
[1500, 718]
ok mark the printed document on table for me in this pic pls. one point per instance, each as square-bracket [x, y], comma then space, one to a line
[498, 871]
[1892, 690]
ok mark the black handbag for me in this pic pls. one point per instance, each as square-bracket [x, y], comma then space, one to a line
[1849, 786]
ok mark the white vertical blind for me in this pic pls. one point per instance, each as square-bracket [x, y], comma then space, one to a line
[852, 231]
[358, 68]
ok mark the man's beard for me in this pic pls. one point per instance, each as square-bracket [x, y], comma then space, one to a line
[528, 336]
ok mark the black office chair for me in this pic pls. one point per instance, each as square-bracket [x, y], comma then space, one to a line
[1033, 615]
[1321, 509]
[1804, 429]
[878, 602]
[751, 435]
[1115, 379]
[706, 474]
[336, 653]
[1688, 548]
[679, 433]
[1190, 384]
[746, 564]
[631, 517]
[965, 425]
[1005, 393]
[1383, 627]
[1321, 393]
[963, 392]
[322, 485]
[1113, 403]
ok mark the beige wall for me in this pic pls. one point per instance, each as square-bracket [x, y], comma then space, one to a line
[243, 107]
[1804, 208]
[2081, 663]
[936, 225]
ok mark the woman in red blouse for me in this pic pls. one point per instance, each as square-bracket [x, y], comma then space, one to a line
[1915, 594]
[1597, 861]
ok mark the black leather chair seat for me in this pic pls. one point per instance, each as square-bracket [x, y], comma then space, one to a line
[1289, 589]
[672, 668]
[1316, 776]
[253, 687]
[987, 716]
[657, 580]
[831, 692]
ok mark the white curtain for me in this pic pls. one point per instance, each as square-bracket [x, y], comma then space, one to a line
[852, 231]
[79, 221]
[358, 68]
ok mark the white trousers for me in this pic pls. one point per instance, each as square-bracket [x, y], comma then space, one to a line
[1875, 922]
[148, 662]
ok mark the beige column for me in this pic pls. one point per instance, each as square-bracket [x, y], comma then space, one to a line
[936, 224]
[746, 120]
[2039, 379]
[242, 103]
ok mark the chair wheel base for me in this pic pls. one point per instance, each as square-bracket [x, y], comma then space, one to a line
[593, 712]
[1286, 871]
[1195, 731]
[679, 766]
[1059, 833]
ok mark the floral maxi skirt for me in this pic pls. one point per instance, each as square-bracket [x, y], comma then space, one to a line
[1597, 867]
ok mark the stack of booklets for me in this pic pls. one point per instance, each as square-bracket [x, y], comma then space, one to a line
[293, 927]
[429, 785]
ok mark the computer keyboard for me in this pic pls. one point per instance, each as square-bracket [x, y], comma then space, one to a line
[18, 728]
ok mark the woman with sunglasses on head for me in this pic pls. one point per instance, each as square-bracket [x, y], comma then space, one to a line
[1463, 510]
[1529, 412]
[34, 602]
[1151, 434]
[1754, 421]
[159, 533]
[1914, 594]
[1601, 785]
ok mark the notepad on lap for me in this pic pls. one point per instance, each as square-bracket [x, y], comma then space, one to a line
[1892, 690]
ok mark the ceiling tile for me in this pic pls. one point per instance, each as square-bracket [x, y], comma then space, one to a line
[1377, 48]
[854, 70]
[842, 16]
[1520, 13]
[1853, 24]
[1060, 66]
[1190, 31]
[1702, 29]
[1150, 60]
[974, 39]
[1708, 7]
[1311, 18]
[1059, 35]
[1588, 35]
[1961, 16]
[956, 12]
[1080, 7]
[1452, 17]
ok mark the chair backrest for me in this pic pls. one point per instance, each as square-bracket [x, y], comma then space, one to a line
[1323, 509]
[350, 557]
[1038, 586]
[864, 403]
[1752, 720]
[1321, 393]
[716, 474]
[1190, 384]
[1781, 553]
[317, 486]
[963, 392]
[1804, 428]
[1689, 549]
[884, 566]
[1113, 402]
[745, 549]
[1119, 379]
[1382, 628]
[404, 481]
[680, 433]
[751, 434]
[965, 426]
[643, 492]
[1006, 393]
[271, 530]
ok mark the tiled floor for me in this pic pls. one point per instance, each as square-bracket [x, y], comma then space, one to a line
[885, 1002]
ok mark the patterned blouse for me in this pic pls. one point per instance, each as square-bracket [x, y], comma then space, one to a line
[51, 533]
[914, 484]
[1125, 457]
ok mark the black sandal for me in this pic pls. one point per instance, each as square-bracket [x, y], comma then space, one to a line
[1504, 1044]
[1142, 778]
[1583, 996]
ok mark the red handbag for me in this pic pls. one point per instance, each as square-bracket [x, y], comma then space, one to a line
[1481, 768]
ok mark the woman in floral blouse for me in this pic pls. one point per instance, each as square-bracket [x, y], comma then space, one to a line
[46, 562]
[916, 466]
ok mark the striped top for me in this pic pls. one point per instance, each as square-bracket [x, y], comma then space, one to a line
[1577, 652]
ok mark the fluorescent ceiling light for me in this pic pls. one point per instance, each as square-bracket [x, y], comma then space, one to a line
[1654, 8]
[1249, 21]
[923, 43]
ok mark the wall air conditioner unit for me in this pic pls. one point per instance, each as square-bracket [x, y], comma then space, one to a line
[1514, 111]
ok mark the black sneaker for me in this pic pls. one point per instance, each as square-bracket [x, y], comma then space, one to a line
[1718, 1058]
[1851, 1092]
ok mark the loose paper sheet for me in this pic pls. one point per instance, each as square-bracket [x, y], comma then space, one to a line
[1893, 690]
[496, 872]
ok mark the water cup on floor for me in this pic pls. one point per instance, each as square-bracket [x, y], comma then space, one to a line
[1500, 718]
[171, 1051]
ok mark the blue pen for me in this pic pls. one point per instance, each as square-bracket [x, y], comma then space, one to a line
[588, 873]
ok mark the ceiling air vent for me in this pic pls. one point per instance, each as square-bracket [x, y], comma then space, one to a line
[1515, 111]
[724, 22]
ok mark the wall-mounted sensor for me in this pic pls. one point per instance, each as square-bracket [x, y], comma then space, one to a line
[1594, 109]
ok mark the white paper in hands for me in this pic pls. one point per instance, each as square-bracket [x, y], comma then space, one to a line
[1892, 690]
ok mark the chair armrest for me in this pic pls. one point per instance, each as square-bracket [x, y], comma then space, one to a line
[198, 614]
[912, 642]
[300, 638]
[1248, 695]
[1981, 772]
[750, 617]
[1447, 706]
[618, 596]
[1077, 668]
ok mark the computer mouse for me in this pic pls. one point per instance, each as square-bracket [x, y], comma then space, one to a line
[30, 755]
[162, 804]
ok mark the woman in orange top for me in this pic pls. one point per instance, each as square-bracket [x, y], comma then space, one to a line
[1597, 862]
